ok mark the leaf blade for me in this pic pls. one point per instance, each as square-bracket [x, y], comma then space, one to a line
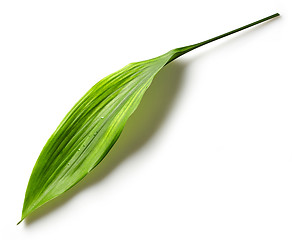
[88, 132]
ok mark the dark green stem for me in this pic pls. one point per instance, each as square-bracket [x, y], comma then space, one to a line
[183, 50]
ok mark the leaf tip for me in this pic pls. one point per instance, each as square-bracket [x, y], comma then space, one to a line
[20, 221]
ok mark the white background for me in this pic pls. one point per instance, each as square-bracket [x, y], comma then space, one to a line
[208, 153]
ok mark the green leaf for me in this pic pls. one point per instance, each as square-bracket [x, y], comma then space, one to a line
[93, 125]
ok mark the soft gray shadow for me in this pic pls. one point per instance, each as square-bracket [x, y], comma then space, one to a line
[141, 126]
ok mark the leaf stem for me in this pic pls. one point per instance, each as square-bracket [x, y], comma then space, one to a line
[183, 50]
[238, 30]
